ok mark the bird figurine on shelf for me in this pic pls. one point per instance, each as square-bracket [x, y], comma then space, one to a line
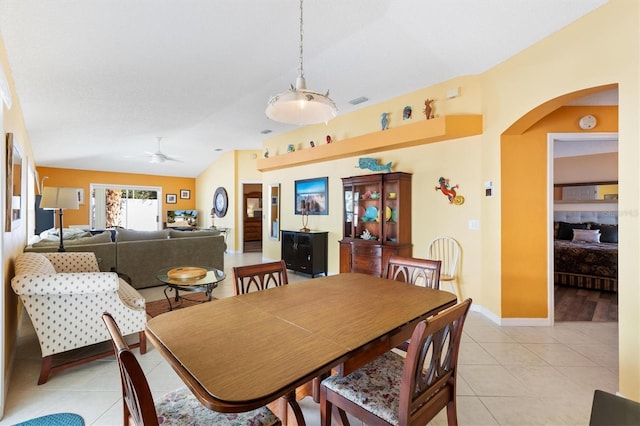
[384, 120]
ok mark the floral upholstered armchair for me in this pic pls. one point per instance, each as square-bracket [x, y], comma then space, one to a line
[65, 295]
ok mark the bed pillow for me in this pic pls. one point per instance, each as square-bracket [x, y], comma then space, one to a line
[565, 229]
[586, 235]
[608, 233]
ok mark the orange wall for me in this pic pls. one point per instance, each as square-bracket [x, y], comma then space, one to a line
[82, 179]
[524, 208]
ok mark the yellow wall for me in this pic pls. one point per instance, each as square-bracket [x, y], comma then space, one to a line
[82, 179]
[230, 171]
[15, 240]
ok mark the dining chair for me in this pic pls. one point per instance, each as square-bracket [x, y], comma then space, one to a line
[259, 276]
[610, 409]
[447, 250]
[178, 407]
[423, 272]
[394, 390]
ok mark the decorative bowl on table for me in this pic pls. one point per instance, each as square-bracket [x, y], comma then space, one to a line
[187, 273]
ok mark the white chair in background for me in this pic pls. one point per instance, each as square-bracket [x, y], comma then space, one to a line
[446, 250]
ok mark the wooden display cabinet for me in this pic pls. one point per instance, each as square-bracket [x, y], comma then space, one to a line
[376, 221]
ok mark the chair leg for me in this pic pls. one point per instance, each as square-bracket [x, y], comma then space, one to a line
[143, 342]
[45, 370]
[452, 414]
[325, 408]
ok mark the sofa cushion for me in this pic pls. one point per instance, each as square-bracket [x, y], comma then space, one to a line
[33, 263]
[132, 235]
[190, 234]
[104, 237]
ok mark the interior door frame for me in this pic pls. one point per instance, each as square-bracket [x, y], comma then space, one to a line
[552, 138]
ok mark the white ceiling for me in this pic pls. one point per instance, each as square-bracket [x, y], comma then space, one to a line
[100, 80]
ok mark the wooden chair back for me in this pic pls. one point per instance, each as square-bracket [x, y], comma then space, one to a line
[259, 276]
[424, 272]
[139, 408]
[430, 370]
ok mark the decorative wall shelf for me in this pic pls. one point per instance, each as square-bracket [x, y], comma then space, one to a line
[420, 133]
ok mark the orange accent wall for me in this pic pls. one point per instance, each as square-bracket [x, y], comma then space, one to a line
[82, 179]
[524, 207]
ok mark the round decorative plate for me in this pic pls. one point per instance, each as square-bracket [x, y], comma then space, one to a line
[361, 212]
[372, 212]
[387, 213]
[220, 202]
[394, 215]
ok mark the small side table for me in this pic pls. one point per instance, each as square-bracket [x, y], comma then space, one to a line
[204, 284]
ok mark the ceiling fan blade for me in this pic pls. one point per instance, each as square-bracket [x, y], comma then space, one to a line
[172, 159]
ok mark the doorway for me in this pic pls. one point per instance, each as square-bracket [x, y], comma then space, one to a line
[252, 218]
[125, 206]
[577, 162]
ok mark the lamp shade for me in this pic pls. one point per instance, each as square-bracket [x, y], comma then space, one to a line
[301, 106]
[59, 198]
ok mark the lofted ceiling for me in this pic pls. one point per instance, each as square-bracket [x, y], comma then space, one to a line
[100, 80]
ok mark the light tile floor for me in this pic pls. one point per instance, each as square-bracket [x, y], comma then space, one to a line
[507, 375]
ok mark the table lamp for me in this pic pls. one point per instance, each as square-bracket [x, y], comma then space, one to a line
[59, 198]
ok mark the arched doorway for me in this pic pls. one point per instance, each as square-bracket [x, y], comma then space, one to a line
[525, 194]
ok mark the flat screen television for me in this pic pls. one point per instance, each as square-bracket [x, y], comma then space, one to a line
[182, 218]
[311, 196]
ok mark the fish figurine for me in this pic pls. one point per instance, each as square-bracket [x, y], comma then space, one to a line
[372, 164]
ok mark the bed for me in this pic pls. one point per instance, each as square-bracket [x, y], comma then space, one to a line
[586, 249]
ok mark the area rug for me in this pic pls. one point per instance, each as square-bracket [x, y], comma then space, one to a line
[161, 306]
[60, 419]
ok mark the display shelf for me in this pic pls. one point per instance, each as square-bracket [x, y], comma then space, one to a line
[419, 133]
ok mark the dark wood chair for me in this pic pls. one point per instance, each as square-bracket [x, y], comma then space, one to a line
[259, 276]
[609, 409]
[424, 272]
[393, 390]
[177, 407]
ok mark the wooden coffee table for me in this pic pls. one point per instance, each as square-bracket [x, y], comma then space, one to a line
[192, 281]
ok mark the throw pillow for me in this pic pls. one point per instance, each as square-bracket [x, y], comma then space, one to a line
[586, 235]
[104, 237]
[565, 229]
[608, 233]
[132, 235]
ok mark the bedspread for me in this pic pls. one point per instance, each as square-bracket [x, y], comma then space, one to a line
[588, 265]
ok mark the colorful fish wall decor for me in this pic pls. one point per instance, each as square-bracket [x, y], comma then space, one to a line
[372, 164]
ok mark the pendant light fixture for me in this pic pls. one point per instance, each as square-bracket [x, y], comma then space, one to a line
[299, 105]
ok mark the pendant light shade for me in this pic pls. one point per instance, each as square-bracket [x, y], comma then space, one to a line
[299, 105]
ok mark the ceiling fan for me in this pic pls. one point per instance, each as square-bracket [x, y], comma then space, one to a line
[158, 157]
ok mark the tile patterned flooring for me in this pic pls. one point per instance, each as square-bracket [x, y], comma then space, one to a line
[507, 375]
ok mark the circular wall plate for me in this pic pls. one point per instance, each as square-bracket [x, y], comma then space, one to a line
[220, 202]
[588, 122]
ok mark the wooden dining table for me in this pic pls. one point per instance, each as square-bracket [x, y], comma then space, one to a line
[239, 353]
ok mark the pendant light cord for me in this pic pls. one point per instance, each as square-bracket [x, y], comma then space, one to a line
[301, 70]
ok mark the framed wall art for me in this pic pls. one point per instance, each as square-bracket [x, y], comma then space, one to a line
[311, 196]
[185, 194]
[172, 198]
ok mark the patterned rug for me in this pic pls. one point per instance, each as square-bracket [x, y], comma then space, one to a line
[161, 306]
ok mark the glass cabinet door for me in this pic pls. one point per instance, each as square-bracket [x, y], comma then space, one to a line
[348, 211]
[367, 205]
[391, 211]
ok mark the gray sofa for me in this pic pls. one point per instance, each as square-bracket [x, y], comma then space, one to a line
[141, 254]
